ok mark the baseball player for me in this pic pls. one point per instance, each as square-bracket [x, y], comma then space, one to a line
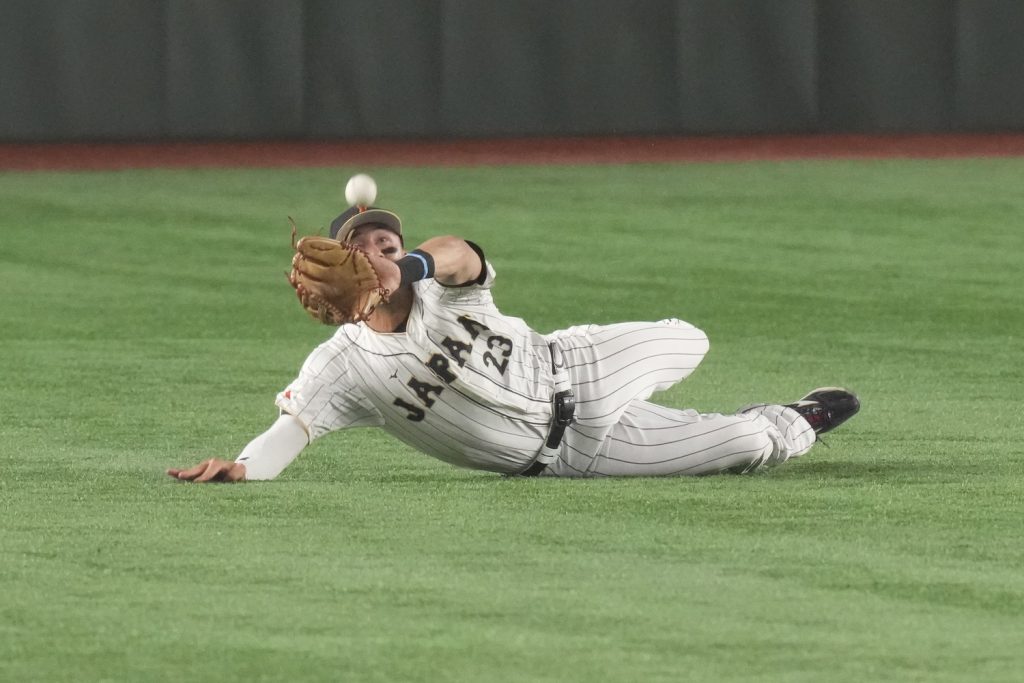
[426, 355]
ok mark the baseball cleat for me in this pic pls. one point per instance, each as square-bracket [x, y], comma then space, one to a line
[826, 408]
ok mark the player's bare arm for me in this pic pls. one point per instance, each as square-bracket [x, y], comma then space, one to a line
[450, 260]
[455, 262]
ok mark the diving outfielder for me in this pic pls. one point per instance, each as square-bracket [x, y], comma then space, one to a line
[432, 361]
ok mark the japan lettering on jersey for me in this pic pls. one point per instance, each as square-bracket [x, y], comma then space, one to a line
[463, 383]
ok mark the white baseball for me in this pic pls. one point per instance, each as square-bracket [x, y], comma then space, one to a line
[361, 190]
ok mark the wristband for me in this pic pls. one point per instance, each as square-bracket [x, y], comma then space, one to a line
[416, 265]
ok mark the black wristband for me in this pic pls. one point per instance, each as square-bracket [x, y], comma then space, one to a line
[416, 265]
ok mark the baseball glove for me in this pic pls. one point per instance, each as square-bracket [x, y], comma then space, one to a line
[336, 283]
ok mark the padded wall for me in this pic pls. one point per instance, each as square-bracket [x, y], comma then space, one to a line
[243, 69]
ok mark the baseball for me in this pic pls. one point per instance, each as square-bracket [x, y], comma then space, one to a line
[361, 190]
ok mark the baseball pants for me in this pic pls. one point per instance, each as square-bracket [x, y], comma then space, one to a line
[617, 432]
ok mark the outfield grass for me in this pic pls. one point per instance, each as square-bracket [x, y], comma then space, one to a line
[147, 323]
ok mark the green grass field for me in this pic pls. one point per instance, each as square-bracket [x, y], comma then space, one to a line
[147, 323]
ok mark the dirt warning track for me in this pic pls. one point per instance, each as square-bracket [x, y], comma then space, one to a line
[494, 152]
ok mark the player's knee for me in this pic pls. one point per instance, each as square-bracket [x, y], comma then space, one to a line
[693, 337]
[701, 341]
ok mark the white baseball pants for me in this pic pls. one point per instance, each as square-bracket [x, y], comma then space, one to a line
[617, 432]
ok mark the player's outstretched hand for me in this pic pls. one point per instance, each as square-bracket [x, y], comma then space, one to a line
[211, 470]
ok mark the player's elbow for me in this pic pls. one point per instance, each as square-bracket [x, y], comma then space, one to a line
[455, 262]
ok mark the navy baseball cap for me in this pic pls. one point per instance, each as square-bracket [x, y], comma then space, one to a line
[344, 225]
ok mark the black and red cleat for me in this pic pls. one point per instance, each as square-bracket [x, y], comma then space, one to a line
[826, 408]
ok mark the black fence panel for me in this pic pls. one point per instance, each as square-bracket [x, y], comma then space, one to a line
[248, 69]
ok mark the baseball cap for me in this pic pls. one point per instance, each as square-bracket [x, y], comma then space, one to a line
[343, 226]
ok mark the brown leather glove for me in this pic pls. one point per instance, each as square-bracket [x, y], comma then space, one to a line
[336, 283]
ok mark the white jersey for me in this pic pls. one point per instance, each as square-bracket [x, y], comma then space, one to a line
[463, 383]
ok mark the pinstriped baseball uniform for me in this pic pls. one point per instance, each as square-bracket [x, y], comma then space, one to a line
[473, 387]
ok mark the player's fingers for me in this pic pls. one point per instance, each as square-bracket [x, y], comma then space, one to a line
[191, 473]
[214, 469]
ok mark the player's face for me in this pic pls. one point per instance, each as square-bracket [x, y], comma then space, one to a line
[377, 241]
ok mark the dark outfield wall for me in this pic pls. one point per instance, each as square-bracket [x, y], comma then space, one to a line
[155, 69]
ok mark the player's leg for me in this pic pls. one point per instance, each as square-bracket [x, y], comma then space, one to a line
[652, 440]
[612, 365]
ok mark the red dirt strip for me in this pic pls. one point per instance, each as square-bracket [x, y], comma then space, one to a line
[496, 152]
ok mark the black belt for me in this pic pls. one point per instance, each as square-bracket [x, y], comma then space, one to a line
[534, 469]
[563, 405]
